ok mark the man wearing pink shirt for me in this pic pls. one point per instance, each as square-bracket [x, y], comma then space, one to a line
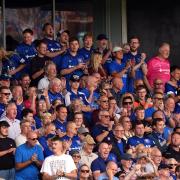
[159, 66]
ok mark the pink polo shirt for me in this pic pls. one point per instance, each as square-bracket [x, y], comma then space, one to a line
[158, 68]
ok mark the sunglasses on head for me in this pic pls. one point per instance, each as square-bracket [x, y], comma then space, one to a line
[84, 171]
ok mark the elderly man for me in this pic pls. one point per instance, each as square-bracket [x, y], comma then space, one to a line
[87, 155]
[11, 113]
[25, 128]
[103, 129]
[58, 165]
[28, 158]
[111, 170]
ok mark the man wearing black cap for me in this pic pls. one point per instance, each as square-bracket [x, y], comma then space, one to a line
[5, 80]
[7, 149]
[126, 163]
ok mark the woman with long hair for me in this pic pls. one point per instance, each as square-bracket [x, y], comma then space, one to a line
[84, 173]
[95, 64]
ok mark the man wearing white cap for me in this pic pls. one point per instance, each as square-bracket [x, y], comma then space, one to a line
[119, 69]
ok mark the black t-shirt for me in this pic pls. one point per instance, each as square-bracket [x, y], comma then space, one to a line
[37, 63]
[7, 161]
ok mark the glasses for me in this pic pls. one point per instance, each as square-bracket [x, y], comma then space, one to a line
[126, 103]
[127, 121]
[76, 156]
[84, 171]
[6, 94]
[158, 83]
[106, 116]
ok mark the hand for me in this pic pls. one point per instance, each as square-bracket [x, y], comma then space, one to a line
[10, 150]
[91, 89]
[148, 129]
[128, 65]
[137, 167]
[60, 133]
[67, 145]
[34, 157]
[45, 93]
[59, 173]
[81, 66]
[12, 72]
[110, 173]
[143, 56]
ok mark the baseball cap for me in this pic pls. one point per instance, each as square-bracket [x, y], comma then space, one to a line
[89, 140]
[4, 77]
[101, 37]
[74, 78]
[117, 49]
[4, 124]
[82, 130]
[126, 157]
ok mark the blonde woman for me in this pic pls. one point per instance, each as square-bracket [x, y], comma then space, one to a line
[12, 64]
[95, 64]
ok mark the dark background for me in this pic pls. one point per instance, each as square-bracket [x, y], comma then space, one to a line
[155, 22]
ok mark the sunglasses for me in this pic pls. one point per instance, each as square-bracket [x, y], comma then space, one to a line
[6, 94]
[34, 139]
[158, 98]
[172, 164]
[126, 103]
[84, 171]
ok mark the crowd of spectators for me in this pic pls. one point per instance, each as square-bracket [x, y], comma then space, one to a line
[92, 112]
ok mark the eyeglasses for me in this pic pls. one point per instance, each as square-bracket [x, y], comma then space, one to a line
[76, 156]
[127, 121]
[84, 171]
[158, 83]
[6, 94]
[126, 103]
[106, 116]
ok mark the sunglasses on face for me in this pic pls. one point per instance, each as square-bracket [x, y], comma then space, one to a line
[84, 171]
[6, 94]
[126, 103]
[106, 116]
[105, 101]
[33, 139]
[172, 164]
[158, 98]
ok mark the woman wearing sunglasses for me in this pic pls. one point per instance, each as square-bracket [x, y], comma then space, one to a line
[84, 173]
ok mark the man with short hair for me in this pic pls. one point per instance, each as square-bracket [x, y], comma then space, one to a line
[58, 165]
[139, 137]
[38, 62]
[29, 158]
[156, 136]
[4, 99]
[72, 61]
[174, 147]
[111, 170]
[61, 119]
[98, 166]
[103, 128]
[7, 149]
[25, 128]
[25, 82]
[11, 113]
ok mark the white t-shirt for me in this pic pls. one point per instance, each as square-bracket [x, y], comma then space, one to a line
[54, 163]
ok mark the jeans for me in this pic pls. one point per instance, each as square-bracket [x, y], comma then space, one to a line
[8, 174]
